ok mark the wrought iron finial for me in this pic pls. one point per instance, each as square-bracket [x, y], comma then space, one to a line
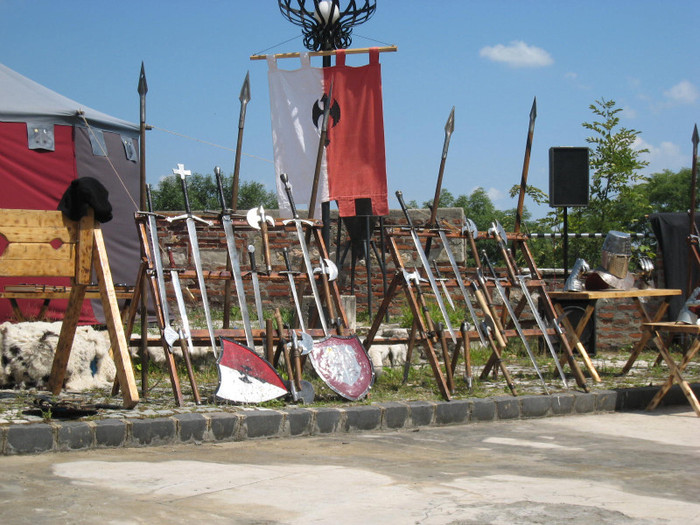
[324, 24]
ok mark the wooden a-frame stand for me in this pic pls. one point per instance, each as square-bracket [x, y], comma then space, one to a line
[44, 243]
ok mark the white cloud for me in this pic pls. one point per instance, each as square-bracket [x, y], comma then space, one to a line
[683, 93]
[517, 54]
[665, 156]
[494, 194]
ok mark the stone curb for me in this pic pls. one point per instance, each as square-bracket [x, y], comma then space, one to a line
[253, 423]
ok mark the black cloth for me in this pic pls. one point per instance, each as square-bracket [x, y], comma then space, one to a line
[84, 193]
[671, 231]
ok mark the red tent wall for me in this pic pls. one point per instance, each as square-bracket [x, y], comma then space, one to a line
[36, 180]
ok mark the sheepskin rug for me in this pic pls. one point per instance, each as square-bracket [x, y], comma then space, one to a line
[27, 351]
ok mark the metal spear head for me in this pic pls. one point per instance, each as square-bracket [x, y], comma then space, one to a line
[327, 108]
[533, 115]
[449, 128]
[244, 97]
[695, 136]
[143, 85]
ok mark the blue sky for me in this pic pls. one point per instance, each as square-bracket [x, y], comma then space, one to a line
[488, 59]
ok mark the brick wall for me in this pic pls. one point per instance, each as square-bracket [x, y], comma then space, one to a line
[617, 320]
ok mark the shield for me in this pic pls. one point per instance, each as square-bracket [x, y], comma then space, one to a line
[244, 377]
[343, 364]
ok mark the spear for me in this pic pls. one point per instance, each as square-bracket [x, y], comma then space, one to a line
[142, 90]
[693, 203]
[244, 97]
[319, 155]
[526, 167]
[449, 128]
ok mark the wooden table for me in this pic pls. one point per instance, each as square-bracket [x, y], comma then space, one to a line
[639, 296]
[676, 369]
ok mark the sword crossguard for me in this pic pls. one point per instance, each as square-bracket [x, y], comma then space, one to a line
[187, 216]
[300, 221]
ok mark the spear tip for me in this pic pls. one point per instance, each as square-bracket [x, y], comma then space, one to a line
[695, 135]
[533, 110]
[450, 124]
[244, 97]
[143, 85]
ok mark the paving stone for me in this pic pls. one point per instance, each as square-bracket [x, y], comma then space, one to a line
[192, 427]
[29, 439]
[224, 426]
[562, 404]
[300, 421]
[535, 406]
[451, 413]
[639, 398]
[262, 423]
[153, 431]
[422, 413]
[483, 409]
[584, 403]
[75, 435]
[363, 418]
[395, 415]
[606, 400]
[327, 420]
[507, 407]
[110, 433]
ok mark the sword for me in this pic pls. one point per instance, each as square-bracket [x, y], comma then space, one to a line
[426, 267]
[190, 221]
[439, 278]
[169, 334]
[460, 282]
[304, 250]
[499, 233]
[518, 328]
[293, 288]
[184, 334]
[227, 223]
[256, 286]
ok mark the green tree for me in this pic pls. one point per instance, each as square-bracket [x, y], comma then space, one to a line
[668, 191]
[615, 202]
[203, 194]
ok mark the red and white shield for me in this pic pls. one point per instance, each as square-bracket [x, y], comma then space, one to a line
[244, 377]
[343, 363]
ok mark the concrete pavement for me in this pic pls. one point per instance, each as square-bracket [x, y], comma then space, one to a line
[631, 467]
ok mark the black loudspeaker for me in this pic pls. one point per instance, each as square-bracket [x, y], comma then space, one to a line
[568, 177]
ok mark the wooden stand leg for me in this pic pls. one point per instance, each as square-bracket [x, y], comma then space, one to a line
[669, 382]
[65, 339]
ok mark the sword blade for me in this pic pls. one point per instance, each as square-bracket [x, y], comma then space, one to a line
[237, 279]
[433, 284]
[258, 299]
[297, 304]
[310, 273]
[194, 246]
[462, 288]
[182, 309]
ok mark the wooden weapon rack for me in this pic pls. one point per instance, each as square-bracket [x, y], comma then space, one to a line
[272, 338]
[432, 336]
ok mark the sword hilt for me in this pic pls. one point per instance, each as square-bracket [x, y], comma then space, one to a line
[251, 256]
[285, 255]
[183, 184]
[399, 196]
[288, 190]
[220, 187]
[488, 263]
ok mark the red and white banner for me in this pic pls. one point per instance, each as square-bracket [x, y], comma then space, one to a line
[354, 163]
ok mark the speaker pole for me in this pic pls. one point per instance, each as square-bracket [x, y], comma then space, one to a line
[566, 243]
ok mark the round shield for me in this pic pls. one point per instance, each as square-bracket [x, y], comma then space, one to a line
[343, 364]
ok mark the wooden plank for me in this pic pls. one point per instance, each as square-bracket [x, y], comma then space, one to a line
[614, 294]
[44, 234]
[65, 339]
[83, 255]
[37, 267]
[121, 356]
[36, 218]
[356, 51]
